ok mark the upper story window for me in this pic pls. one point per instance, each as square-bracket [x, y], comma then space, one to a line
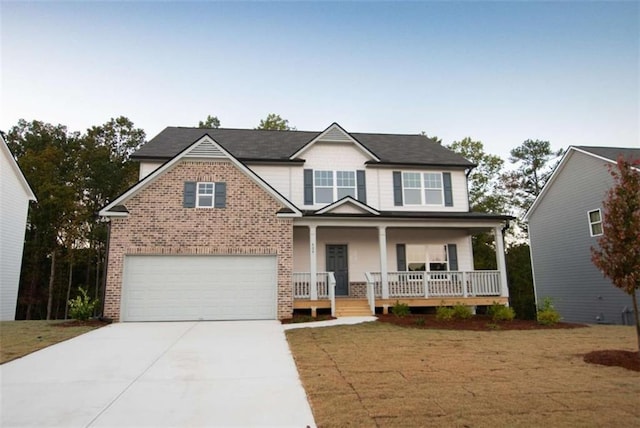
[205, 195]
[330, 186]
[595, 222]
[422, 188]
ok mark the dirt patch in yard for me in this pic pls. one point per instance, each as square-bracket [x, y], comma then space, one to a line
[381, 375]
[83, 323]
[475, 323]
[298, 318]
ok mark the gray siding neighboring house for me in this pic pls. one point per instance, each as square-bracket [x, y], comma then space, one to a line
[561, 239]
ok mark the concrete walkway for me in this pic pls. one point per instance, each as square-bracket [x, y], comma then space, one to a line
[180, 374]
[330, 323]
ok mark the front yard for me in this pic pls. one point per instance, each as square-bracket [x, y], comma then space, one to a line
[19, 338]
[377, 374]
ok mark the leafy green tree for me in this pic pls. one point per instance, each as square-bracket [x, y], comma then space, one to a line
[275, 122]
[486, 192]
[48, 155]
[210, 122]
[433, 138]
[618, 257]
[520, 278]
[532, 160]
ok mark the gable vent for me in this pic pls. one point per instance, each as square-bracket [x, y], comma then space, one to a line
[206, 149]
[335, 134]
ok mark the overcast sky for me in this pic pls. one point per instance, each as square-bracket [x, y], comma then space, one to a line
[499, 72]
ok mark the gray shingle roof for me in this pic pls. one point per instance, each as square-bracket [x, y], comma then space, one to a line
[612, 152]
[253, 144]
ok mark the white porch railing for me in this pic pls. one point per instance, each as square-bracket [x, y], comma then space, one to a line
[325, 285]
[437, 284]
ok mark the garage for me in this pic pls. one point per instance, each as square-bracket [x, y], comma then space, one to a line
[188, 288]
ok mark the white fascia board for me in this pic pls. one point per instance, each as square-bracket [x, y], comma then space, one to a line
[347, 200]
[549, 183]
[331, 127]
[167, 165]
[398, 223]
[17, 171]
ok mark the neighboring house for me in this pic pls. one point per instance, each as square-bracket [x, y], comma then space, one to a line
[564, 223]
[252, 224]
[15, 195]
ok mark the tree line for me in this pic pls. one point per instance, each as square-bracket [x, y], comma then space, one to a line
[74, 174]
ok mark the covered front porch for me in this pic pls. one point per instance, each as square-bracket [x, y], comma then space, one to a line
[340, 260]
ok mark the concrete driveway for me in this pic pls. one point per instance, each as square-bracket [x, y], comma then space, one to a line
[179, 374]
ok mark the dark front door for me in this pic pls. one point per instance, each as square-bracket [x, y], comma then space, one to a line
[338, 264]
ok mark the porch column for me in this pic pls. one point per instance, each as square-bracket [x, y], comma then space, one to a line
[382, 238]
[502, 266]
[313, 260]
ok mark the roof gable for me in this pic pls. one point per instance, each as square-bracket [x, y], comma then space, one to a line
[347, 205]
[16, 169]
[606, 154]
[335, 134]
[204, 147]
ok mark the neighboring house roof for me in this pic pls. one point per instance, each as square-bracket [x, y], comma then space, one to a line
[16, 169]
[207, 147]
[608, 154]
[269, 145]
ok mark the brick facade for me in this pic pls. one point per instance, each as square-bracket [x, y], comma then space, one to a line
[158, 224]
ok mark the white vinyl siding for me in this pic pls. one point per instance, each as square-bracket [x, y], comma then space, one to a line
[187, 288]
[147, 168]
[14, 204]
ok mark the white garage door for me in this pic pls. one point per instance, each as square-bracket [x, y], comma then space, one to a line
[183, 288]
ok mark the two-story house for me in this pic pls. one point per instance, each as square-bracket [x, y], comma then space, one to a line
[252, 224]
[565, 222]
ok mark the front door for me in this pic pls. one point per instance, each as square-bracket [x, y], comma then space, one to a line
[338, 264]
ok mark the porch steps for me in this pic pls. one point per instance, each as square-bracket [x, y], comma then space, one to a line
[352, 308]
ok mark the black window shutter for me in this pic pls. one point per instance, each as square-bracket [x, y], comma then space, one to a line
[220, 195]
[448, 193]
[189, 195]
[401, 256]
[308, 187]
[362, 186]
[452, 250]
[397, 188]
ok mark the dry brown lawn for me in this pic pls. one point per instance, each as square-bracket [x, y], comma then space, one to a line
[19, 338]
[377, 374]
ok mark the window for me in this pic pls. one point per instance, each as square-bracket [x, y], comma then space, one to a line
[330, 186]
[427, 257]
[595, 222]
[205, 195]
[422, 188]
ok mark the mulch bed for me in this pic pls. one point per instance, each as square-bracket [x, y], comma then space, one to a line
[306, 318]
[78, 323]
[475, 323]
[612, 357]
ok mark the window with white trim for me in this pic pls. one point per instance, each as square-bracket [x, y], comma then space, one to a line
[422, 188]
[330, 186]
[595, 222]
[427, 257]
[204, 195]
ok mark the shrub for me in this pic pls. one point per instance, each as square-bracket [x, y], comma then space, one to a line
[420, 321]
[462, 312]
[400, 309]
[547, 314]
[444, 313]
[81, 308]
[499, 312]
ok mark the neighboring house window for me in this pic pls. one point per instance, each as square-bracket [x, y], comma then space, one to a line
[205, 195]
[331, 186]
[427, 257]
[595, 222]
[422, 188]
